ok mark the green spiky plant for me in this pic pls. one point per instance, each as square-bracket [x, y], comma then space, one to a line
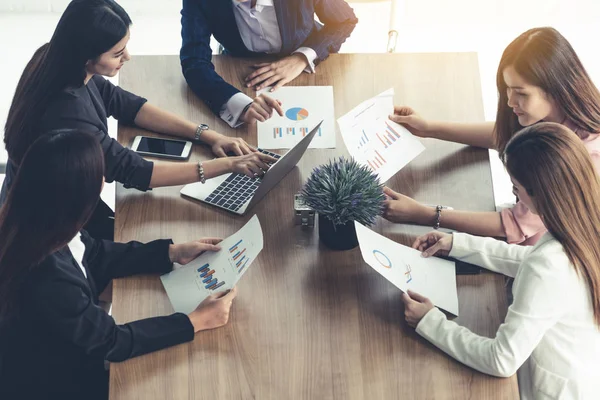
[344, 191]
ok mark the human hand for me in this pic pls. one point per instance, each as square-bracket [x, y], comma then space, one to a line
[402, 209]
[226, 144]
[253, 165]
[412, 121]
[185, 252]
[261, 109]
[415, 307]
[434, 243]
[277, 73]
[213, 312]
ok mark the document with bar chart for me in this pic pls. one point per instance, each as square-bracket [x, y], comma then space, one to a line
[375, 141]
[214, 272]
[404, 267]
[303, 107]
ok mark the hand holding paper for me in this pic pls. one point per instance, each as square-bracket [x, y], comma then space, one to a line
[415, 307]
[376, 141]
[184, 253]
[434, 243]
[408, 270]
[214, 272]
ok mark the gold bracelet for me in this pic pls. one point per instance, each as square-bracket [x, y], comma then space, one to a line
[201, 172]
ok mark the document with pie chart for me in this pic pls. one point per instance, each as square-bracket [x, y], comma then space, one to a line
[403, 266]
[303, 108]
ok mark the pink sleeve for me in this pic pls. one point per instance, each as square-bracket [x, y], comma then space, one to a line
[521, 226]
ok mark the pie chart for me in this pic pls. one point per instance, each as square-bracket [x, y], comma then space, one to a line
[296, 114]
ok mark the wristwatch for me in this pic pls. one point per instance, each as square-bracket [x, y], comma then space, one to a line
[201, 128]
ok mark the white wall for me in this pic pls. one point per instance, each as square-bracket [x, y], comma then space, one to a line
[147, 7]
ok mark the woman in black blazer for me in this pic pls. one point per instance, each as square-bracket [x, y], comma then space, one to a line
[54, 339]
[63, 87]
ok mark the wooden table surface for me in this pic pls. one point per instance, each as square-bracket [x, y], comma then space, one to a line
[311, 323]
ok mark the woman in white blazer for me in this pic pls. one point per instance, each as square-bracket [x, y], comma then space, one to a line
[551, 333]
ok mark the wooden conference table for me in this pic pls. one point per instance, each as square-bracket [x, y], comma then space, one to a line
[311, 323]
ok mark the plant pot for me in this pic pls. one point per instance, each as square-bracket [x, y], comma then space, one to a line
[337, 237]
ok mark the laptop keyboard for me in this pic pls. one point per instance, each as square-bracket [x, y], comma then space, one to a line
[234, 191]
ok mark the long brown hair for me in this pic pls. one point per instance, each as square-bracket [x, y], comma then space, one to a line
[54, 193]
[546, 159]
[544, 58]
[86, 30]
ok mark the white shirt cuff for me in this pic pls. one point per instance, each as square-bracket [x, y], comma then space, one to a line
[311, 56]
[232, 110]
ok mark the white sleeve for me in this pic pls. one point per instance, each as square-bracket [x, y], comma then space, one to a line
[232, 110]
[536, 309]
[494, 255]
[311, 56]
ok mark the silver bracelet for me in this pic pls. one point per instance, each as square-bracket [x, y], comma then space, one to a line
[201, 172]
[438, 216]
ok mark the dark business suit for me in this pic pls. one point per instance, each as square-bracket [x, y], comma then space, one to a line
[55, 346]
[88, 108]
[203, 18]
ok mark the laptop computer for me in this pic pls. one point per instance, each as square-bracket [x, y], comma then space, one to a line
[237, 193]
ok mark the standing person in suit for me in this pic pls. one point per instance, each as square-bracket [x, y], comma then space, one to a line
[55, 338]
[63, 86]
[551, 333]
[249, 28]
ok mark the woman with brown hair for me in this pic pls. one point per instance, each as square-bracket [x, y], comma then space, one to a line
[540, 78]
[551, 332]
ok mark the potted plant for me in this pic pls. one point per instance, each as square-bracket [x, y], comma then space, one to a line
[342, 192]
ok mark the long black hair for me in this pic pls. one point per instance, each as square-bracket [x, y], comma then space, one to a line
[544, 58]
[54, 193]
[86, 30]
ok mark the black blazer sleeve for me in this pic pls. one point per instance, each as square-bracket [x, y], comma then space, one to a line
[71, 111]
[339, 21]
[108, 260]
[118, 103]
[66, 311]
[196, 58]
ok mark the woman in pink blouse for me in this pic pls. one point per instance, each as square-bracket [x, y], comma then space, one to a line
[540, 78]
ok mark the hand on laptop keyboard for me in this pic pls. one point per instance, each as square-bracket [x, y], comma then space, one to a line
[232, 193]
[253, 165]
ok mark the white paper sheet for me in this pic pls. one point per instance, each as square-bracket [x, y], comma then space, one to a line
[404, 267]
[374, 140]
[214, 272]
[303, 108]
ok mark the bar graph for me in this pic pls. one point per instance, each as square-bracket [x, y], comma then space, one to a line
[364, 139]
[283, 132]
[207, 277]
[238, 256]
[407, 274]
[377, 142]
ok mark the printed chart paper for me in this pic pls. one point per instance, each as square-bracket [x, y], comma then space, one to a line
[404, 267]
[303, 108]
[213, 272]
[377, 142]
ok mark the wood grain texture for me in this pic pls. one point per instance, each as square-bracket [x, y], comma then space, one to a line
[310, 323]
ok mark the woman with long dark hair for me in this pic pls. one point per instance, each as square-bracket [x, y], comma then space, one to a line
[63, 87]
[55, 338]
[551, 333]
[540, 78]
